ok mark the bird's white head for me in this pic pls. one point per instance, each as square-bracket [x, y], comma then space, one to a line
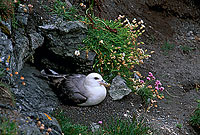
[95, 79]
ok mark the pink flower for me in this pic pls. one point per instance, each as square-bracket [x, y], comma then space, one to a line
[100, 122]
[148, 78]
[156, 88]
[141, 81]
[153, 78]
[150, 74]
[161, 88]
[157, 83]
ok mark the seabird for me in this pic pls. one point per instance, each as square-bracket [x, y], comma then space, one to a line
[79, 89]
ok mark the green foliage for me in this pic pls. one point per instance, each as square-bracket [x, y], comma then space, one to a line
[124, 127]
[112, 127]
[67, 127]
[116, 46]
[6, 9]
[186, 49]
[145, 93]
[7, 127]
[15, 23]
[179, 125]
[195, 118]
[118, 50]
[59, 8]
[2, 72]
[166, 47]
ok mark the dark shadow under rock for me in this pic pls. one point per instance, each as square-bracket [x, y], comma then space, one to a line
[62, 39]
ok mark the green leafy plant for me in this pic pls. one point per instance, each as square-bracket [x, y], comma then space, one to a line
[150, 90]
[166, 47]
[179, 125]
[112, 127]
[195, 118]
[124, 127]
[118, 50]
[186, 49]
[59, 8]
[7, 127]
[6, 9]
[68, 127]
[116, 46]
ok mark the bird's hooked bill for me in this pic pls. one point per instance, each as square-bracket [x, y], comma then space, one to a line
[102, 82]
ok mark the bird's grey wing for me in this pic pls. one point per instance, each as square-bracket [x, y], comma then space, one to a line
[71, 90]
[78, 81]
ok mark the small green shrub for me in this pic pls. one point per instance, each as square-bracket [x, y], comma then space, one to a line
[6, 9]
[124, 127]
[59, 8]
[118, 50]
[116, 46]
[67, 127]
[166, 47]
[195, 118]
[112, 127]
[186, 49]
[7, 127]
[179, 125]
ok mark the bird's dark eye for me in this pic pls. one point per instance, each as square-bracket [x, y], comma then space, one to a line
[96, 78]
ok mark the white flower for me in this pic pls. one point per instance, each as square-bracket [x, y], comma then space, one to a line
[125, 115]
[30, 6]
[77, 53]
[101, 41]
[142, 26]
[81, 4]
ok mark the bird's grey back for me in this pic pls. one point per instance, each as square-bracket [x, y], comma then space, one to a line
[71, 89]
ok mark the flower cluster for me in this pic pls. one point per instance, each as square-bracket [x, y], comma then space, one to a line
[25, 7]
[118, 50]
[63, 10]
[136, 28]
[116, 46]
[4, 64]
[153, 85]
[82, 5]
[42, 127]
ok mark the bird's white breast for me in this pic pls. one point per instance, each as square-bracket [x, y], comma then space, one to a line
[95, 95]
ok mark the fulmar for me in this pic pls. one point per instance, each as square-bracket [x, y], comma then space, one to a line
[78, 89]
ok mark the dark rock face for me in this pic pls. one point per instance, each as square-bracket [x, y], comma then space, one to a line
[33, 126]
[179, 8]
[35, 95]
[35, 101]
[14, 54]
[6, 48]
[62, 39]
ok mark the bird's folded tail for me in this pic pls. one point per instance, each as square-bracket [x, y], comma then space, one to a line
[53, 76]
[49, 72]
